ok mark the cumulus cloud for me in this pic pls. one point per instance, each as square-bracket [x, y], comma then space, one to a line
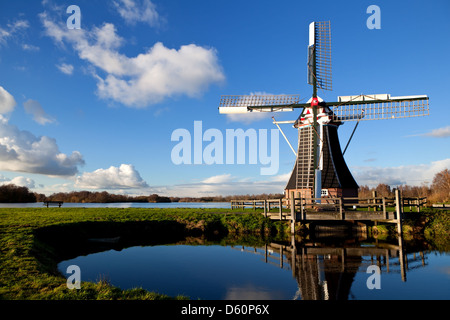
[22, 151]
[123, 177]
[35, 109]
[65, 68]
[145, 79]
[411, 174]
[7, 101]
[137, 11]
[18, 181]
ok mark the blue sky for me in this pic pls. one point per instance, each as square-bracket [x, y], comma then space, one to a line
[95, 108]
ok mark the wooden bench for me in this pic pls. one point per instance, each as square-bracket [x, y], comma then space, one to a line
[58, 203]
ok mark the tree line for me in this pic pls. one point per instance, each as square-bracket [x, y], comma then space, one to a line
[105, 197]
[438, 191]
[11, 193]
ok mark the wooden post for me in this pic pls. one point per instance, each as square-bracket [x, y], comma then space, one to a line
[401, 258]
[374, 195]
[280, 202]
[266, 252]
[398, 209]
[292, 213]
[387, 260]
[265, 208]
[341, 211]
[281, 257]
[302, 212]
[293, 257]
[385, 214]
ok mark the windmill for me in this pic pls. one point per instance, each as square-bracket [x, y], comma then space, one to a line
[320, 168]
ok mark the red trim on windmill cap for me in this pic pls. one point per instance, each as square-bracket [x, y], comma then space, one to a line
[314, 102]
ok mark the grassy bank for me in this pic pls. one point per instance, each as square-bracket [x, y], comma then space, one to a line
[34, 240]
[432, 224]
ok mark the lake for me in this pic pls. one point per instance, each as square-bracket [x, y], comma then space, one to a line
[319, 270]
[219, 205]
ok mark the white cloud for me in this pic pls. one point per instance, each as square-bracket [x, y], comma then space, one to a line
[19, 181]
[11, 29]
[30, 47]
[35, 109]
[411, 174]
[133, 11]
[21, 151]
[218, 179]
[7, 102]
[147, 78]
[55, 188]
[439, 133]
[282, 177]
[65, 68]
[123, 177]
[225, 184]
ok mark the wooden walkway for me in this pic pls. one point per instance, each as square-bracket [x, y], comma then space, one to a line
[379, 209]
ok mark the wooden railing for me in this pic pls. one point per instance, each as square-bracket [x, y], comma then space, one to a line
[385, 209]
[374, 204]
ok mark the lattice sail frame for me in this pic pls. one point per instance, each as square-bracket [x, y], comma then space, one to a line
[375, 109]
[268, 103]
[320, 39]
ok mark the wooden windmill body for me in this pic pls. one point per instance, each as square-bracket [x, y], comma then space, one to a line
[320, 169]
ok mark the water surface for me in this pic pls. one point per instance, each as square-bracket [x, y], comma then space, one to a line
[313, 271]
[220, 205]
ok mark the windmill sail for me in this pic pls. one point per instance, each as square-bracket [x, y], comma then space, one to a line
[378, 107]
[258, 103]
[319, 55]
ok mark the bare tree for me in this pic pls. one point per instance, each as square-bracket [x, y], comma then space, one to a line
[441, 185]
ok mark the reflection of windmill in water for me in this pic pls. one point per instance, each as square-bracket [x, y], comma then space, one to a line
[320, 168]
[327, 272]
